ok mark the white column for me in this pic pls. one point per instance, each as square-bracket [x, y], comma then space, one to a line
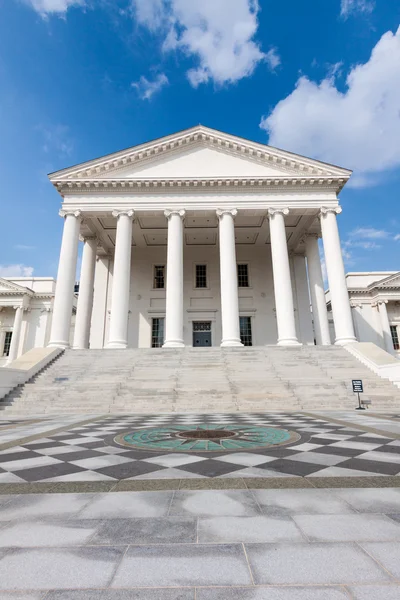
[16, 334]
[228, 275]
[174, 308]
[344, 328]
[387, 336]
[63, 301]
[282, 281]
[316, 283]
[118, 337]
[85, 297]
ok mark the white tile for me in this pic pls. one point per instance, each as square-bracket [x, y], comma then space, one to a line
[356, 445]
[29, 463]
[13, 450]
[246, 458]
[169, 474]
[10, 478]
[332, 436]
[81, 440]
[254, 472]
[381, 457]
[82, 476]
[342, 472]
[174, 460]
[319, 459]
[111, 450]
[306, 447]
[54, 450]
[100, 462]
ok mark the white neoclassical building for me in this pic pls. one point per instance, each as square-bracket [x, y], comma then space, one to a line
[375, 304]
[200, 238]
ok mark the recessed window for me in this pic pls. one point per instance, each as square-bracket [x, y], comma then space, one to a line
[246, 336]
[159, 277]
[7, 343]
[395, 337]
[157, 332]
[201, 276]
[243, 275]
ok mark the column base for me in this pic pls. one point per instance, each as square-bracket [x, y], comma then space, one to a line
[117, 345]
[345, 341]
[289, 342]
[64, 345]
[231, 343]
[173, 344]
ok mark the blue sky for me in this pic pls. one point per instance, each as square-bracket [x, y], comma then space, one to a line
[83, 78]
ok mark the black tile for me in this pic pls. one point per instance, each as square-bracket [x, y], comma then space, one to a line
[51, 444]
[211, 468]
[394, 516]
[18, 456]
[387, 448]
[132, 469]
[78, 455]
[337, 451]
[140, 454]
[291, 467]
[373, 466]
[93, 445]
[57, 470]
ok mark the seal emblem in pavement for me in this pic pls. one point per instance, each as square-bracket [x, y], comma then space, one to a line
[206, 438]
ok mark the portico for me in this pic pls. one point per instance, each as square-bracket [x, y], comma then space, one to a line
[197, 228]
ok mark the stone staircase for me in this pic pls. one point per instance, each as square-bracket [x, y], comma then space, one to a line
[200, 380]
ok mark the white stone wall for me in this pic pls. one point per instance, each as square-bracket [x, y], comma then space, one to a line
[256, 301]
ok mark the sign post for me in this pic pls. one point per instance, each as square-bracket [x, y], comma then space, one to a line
[358, 389]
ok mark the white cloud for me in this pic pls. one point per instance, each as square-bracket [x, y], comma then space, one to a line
[352, 6]
[48, 7]
[273, 59]
[23, 247]
[358, 127]
[56, 139]
[397, 238]
[218, 33]
[369, 233]
[146, 89]
[16, 271]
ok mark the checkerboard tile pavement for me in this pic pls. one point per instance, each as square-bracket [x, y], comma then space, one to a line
[88, 452]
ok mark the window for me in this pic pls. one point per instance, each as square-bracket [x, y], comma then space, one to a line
[395, 337]
[157, 333]
[76, 288]
[159, 277]
[201, 276]
[245, 331]
[7, 343]
[243, 275]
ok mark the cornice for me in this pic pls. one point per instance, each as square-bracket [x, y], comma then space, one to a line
[88, 186]
[200, 135]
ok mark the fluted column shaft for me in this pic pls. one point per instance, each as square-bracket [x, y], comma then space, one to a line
[16, 334]
[229, 282]
[282, 280]
[174, 305]
[63, 301]
[85, 297]
[118, 336]
[387, 336]
[342, 317]
[316, 282]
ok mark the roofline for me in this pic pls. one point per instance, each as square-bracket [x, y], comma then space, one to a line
[187, 130]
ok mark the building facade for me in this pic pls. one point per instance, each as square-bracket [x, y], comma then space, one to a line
[375, 305]
[200, 238]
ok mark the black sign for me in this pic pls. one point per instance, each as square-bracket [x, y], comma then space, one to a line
[357, 385]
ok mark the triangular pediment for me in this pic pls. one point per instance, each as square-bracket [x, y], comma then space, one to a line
[199, 152]
[9, 287]
[389, 282]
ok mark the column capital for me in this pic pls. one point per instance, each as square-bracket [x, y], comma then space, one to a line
[120, 213]
[168, 213]
[277, 211]
[325, 210]
[89, 238]
[226, 211]
[382, 301]
[315, 236]
[70, 213]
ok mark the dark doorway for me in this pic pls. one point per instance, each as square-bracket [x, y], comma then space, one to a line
[201, 334]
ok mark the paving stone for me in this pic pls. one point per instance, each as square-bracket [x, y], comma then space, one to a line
[145, 531]
[142, 594]
[58, 568]
[119, 505]
[22, 595]
[248, 529]
[277, 593]
[312, 564]
[348, 528]
[214, 503]
[387, 553]
[375, 592]
[37, 506]
[183, 565]
[65, 533]
[372, 500]
[300, 501]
